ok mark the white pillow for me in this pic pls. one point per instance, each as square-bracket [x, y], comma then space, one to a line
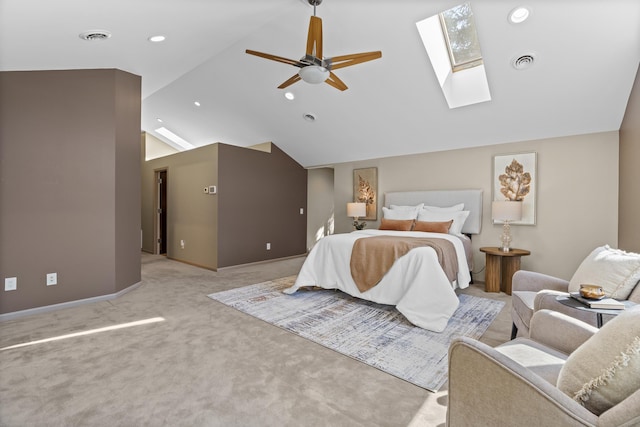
[454, 208]
[402, 214]
[458, 219]
[400, 207]
[615, 270]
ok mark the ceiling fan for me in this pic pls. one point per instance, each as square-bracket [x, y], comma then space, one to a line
[314, 68]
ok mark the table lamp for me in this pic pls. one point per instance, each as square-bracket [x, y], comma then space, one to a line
[357, 210]
[506, 211]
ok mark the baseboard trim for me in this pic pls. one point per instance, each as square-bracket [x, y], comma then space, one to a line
[47, 308]
[229, 267]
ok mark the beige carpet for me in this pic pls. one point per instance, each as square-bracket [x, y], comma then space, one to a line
[203, 364]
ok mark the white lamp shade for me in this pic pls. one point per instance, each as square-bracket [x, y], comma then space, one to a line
[357, 210]
[313, 74]
[506, 210]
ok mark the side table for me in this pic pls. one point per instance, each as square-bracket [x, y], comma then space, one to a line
[500, 268]
[571, 302]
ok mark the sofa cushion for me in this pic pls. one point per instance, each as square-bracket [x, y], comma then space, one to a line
[544, 361]
[605, 370]
[615, 270]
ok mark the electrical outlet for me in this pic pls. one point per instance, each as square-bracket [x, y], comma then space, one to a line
[52, 279]
[10, 283]
[181, 244]
[268, 246]
[301, 211]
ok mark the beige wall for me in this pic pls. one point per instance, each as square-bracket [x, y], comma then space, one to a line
[629, 231]
[155, 148]
[69, 185]
[577, 194]
[320, 201]
[192, 214]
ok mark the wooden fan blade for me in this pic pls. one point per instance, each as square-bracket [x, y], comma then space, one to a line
[289, 82]
[314, 39]
[353, 59]
[334, 81]
[276, 58]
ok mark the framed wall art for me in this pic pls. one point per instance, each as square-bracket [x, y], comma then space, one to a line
[365, 190]
[515, 179]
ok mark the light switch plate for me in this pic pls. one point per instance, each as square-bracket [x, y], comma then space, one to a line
[52, 279]
[10, 283]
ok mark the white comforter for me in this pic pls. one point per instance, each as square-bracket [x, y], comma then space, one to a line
[415, 284]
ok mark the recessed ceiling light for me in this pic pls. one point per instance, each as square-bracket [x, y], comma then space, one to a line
[95, 35]
[289, 95]
[157, 39]
[196, 103]
[310, 117]
[159, 120]
[519, 14]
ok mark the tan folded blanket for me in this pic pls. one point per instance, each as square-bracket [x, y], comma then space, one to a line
[372, 257]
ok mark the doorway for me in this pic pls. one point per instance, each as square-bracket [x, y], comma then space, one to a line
[160, 237]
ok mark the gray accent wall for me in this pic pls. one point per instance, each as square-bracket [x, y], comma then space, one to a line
[69, 185]
[259, 196]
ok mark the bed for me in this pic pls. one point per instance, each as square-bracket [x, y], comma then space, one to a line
[416, 283]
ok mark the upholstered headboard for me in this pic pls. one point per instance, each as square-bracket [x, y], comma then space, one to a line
[472, 200]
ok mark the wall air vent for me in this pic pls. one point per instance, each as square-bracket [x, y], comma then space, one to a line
[523, 62]
[95, 35]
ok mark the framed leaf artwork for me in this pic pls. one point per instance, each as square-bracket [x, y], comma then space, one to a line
[514, 178]
[365, 190]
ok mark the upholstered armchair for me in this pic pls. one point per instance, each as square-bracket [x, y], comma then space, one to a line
[553, 378]
[617, 271]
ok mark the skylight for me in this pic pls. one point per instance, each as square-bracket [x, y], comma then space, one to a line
[178, 142]
[451, 41]
[460, 34]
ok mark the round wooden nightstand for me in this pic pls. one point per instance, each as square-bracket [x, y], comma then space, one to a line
[500, 268]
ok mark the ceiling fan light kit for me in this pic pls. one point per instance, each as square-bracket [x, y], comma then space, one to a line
[314, 67]
[314, 74]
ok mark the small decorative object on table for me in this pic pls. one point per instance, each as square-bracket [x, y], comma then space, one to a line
[591, 291]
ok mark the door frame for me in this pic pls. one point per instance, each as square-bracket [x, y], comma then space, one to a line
[160, 181]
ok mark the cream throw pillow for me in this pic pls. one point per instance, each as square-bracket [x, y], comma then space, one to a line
[616, 271]
[605, 370]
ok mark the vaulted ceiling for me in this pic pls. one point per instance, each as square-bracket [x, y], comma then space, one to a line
[586, 57]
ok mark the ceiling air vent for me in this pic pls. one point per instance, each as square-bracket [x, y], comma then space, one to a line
[95, 35]
[523, 62]
[310, 117]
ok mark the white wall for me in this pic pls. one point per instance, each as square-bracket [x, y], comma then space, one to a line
[577, 195]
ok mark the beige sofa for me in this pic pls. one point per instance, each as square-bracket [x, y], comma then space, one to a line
[528, 381]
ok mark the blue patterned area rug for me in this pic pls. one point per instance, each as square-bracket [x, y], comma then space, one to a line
[375, 334]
